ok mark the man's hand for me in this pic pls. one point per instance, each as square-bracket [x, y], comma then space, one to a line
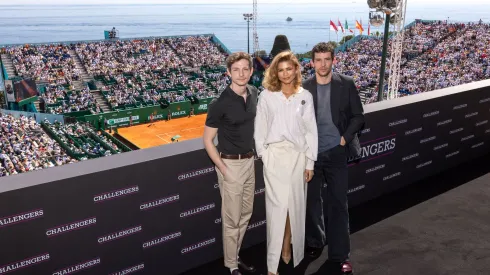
[308, 175]
[342, 141]
[227, 174]
[223, 169]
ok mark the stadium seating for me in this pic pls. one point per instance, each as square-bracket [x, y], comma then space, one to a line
[24, 147]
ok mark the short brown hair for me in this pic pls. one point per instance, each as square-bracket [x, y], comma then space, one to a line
[322, 47]
[235, 57]
[271, 81]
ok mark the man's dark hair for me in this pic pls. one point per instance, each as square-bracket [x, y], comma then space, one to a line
[322, 47]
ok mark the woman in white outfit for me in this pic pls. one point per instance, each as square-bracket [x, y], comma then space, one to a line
[286, 139]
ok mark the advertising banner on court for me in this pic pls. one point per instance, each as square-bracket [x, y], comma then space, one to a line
[202, 106]
[143, 115]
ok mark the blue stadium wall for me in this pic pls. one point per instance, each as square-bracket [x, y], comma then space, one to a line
[157, 210]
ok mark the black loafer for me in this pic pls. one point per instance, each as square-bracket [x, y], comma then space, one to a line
[244, 267]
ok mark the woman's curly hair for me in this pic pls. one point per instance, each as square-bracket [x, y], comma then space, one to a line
[271, 80]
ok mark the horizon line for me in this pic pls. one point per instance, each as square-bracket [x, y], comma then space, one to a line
[158, 4]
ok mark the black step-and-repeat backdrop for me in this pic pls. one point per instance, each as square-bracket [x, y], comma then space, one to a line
[158, 217]
[404, 144]
[163, 216]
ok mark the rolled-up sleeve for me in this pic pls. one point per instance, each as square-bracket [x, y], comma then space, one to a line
[260, 131]
[311, 133]
[215, 113]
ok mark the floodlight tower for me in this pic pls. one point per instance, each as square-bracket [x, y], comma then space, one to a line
[256, 47]
[248, 17]
[395, 14]
[398, 21]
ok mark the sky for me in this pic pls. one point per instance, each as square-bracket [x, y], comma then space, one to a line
[121, 2]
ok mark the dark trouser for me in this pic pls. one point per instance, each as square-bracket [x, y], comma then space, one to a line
[330, 168]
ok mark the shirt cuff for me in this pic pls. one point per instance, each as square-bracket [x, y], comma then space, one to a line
[310, 164]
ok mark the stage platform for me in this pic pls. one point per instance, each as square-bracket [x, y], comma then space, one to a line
[161, 132]
[436, 226]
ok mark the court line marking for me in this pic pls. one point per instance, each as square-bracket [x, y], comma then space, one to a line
[162, 139]
[165, 134]
[182, 130]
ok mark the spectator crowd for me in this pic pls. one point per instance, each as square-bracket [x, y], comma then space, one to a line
[435, 55]
[131, 73]
[145, 72]
[24, 147]
[45, 63]
[154, 71]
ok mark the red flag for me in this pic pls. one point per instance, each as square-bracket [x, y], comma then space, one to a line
[333, 27]
[369, 29]
[340, 25]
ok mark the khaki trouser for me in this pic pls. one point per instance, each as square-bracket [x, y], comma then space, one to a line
[237, 190]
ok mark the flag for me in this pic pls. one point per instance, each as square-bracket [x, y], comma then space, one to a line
[153, 47]
[340, 25]
[333, 27]
[346, 25]
[351, 31]
[359, 27]
[369, 29]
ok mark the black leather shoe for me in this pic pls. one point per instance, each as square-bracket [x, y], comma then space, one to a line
[346, 268]
[314, 252]
[236, 272]
[244, 267]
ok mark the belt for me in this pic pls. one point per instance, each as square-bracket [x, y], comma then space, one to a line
[239, 156]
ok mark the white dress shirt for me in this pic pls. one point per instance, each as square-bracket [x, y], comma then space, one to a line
[292, 119]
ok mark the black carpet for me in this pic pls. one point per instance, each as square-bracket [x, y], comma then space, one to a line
[437, 226]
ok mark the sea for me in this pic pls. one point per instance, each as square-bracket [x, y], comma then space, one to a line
[310, 24]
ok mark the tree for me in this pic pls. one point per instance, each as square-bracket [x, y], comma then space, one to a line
[334, 43]
[281, 44]
[308, 54]
[345, 39]
[304, 55]
[261, 53]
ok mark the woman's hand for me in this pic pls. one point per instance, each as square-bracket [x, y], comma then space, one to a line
[308, 175]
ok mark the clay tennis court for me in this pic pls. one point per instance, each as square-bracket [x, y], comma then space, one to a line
[161, 132]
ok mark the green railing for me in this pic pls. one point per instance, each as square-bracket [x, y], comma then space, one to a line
[103, 143]
[218, 42]
[63, 145]
[26, 101]
[2, 84]
[4, 70]
[117, 142]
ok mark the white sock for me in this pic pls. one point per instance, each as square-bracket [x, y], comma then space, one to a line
[231, 269]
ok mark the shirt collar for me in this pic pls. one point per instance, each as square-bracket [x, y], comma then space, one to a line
[230, 90]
